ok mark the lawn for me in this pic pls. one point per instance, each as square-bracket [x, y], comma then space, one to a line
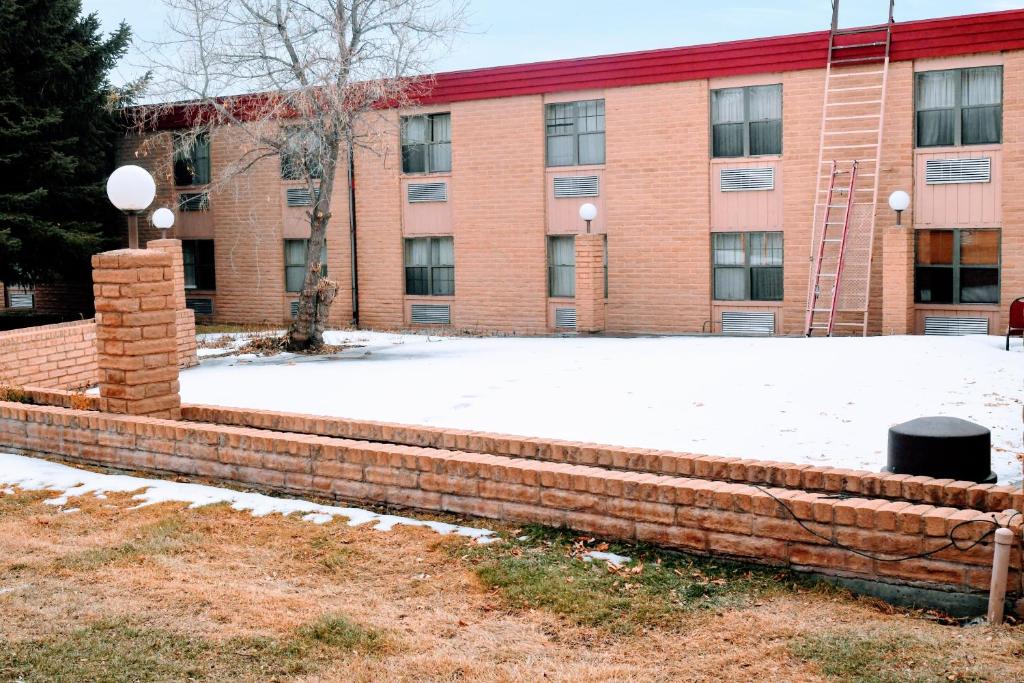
[820, 401]
[95, 588]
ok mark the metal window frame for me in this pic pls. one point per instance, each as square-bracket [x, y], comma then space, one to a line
[431, 143]
[430, 265]
[552, 267]
[959, 107]
[956, 266]
[189, 249]
[323, 260]
[746, 267]
[576, 132]
[746, 121]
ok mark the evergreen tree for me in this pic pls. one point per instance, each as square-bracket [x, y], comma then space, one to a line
[57, 138]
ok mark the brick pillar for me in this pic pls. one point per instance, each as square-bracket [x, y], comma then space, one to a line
[590, 283]
[136, 332]
[186, 319]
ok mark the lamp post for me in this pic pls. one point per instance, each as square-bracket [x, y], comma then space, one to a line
[163, 219]
[131, 189]
[899, 201]
[588, 212]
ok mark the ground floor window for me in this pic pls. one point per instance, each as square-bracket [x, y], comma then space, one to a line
[561, 265]
[295, 263]
[200, 272]
[747, 266]
[956, 266]
[430, 266]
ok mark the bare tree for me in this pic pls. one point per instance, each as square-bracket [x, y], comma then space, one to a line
[303, 80]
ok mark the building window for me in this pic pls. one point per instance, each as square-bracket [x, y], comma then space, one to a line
[956, 267]
[427, 143]
[746, 121]
[747, 266]
[561, 265]
[199, 269]
[301, 155]
[430, 266]
[960, 107]
[575, 133]
[192, 160]
[295, 263]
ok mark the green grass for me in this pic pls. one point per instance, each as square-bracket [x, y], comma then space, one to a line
[166, 537]
[542, 572]
[114, 651]
[882, 658]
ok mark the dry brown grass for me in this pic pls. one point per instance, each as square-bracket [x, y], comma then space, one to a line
[240, 598]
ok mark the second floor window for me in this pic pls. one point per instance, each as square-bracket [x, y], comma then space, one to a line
[960, 107]
[561, 265]
[747, 266]
[430, 266]
[295, 264]
[200, 272]
[427, 143]
[192, 160]
[746, 121]
[575, 133]
[300, 155]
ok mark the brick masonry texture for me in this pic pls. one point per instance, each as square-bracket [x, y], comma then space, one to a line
[57, 356]
[686, 512]
[136, 331]
[657, 187]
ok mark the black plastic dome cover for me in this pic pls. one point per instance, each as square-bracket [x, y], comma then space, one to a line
[941, 447]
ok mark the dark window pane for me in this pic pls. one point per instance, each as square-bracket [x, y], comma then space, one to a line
[766, 284]
[416, 280]
[934, 247]
[979, 285]
[443, 280]
[936, 128]
[933, 285]
[766, 137]
[414, 158]
[728, 139]
[982, 125]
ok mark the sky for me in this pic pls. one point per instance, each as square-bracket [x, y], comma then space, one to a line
[503, 32]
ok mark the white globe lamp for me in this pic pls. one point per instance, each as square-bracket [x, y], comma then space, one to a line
[163, 219]
[899, 201]
[588, 212]
[131, 189]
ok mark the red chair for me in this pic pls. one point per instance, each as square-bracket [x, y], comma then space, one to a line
[1016, 325]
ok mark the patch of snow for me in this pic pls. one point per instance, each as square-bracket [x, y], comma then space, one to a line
[610, 558]
[68, 511]
[43, 475]
[820, 401]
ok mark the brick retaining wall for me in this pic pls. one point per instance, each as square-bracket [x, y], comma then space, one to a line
[690, 513]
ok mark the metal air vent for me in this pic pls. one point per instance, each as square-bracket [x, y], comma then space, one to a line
[744, 322]
[957, 171]
[565, 318]
[747, 179]
[295, 308]
[299, 196]
[577, 186]
[194, 201]
[943, 326]
[431, 314]
[427, 192]
[22, 300]
[200, 306]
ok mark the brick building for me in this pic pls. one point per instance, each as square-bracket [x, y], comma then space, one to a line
[705, 164]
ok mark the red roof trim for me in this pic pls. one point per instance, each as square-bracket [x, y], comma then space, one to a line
[989, 32]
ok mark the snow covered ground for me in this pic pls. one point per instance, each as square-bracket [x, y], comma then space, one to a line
[822, 401]
[33, 474]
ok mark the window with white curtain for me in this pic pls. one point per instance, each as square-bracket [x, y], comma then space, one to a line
[746, 121]
[575, 133]
[747, 266]
[295, 263]
[959, 107]
[427, 143]
[561, 265]
[430, 266]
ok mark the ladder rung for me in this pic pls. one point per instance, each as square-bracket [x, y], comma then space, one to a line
[851, 132]
[856, 73]
[834, 223]
[826, 275]
[875, 28]
[833, 239]
[851, 118]
[856, 88]
[850, 104]
[821, 310]
[850, 146]
[856, 45]
[860, 60]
